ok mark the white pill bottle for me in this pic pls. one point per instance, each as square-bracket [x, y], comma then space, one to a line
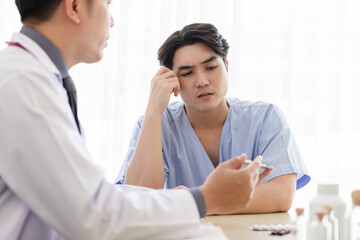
[328, 194]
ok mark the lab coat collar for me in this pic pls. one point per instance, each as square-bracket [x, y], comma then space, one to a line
[49, 48]
[37, 52]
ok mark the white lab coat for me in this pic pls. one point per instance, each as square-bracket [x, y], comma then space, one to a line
[49, 188]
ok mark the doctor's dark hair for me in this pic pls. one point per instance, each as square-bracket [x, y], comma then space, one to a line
[38, 10]
[194, 33]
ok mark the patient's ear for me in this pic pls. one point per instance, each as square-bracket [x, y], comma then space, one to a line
[227, 65]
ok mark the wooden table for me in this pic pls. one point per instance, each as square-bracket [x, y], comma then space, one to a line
[237, 226]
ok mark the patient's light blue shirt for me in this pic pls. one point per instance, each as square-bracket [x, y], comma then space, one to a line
[254, 128]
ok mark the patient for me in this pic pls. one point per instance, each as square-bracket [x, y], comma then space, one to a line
[181, 143]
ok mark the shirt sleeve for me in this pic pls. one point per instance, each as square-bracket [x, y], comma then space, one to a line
[200, 201]
[132, 145]
[44, 161]
[278, 147]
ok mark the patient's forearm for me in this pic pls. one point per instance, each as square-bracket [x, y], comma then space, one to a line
[274, 196]
[146, 167]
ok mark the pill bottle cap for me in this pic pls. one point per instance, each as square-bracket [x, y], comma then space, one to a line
[320, 215]
[328, 209]
[355, 195]
[299, 211]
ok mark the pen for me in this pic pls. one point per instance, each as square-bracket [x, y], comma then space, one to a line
[247, 162]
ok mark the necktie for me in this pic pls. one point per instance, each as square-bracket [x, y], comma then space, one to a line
[71, 92]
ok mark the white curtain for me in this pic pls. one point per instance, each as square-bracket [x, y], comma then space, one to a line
[303, 55]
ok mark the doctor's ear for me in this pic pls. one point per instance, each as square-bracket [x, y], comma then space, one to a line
[72, 9]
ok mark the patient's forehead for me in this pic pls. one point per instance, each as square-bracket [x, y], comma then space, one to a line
[192, 55]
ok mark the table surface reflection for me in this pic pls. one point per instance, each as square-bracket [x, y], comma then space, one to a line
[237, 226]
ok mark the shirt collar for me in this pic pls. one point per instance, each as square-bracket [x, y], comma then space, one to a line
[49, 48]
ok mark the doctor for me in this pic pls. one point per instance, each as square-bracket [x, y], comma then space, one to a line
[49, 188]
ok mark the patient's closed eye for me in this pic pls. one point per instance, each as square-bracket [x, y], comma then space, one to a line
[186, 74]
[211, 67]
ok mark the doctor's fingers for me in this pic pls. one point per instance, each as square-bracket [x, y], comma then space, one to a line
[255, 165]
[180, 187]
[265, 173]
[250, 174]
[236, 162]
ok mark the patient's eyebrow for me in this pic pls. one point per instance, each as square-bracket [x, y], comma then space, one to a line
[209, 59]
[184, 67]
[203, 62]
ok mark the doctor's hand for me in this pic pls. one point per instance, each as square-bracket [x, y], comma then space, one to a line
[180, 187]
[163, 84]
[229, 188]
